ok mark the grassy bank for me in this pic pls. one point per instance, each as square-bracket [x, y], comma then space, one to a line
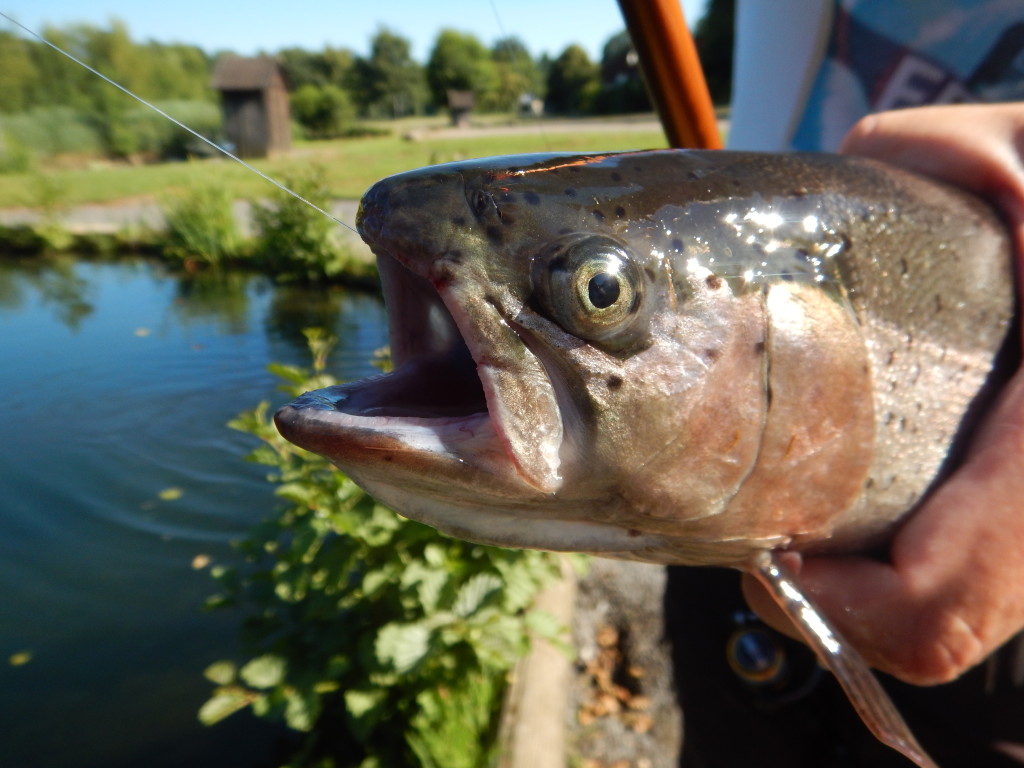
[350, 165]
[292, 242]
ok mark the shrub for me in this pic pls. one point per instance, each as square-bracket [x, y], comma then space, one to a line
[324, 112]
[383, 641]
[295, 241]
[201, 226]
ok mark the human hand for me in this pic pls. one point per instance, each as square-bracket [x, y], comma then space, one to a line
[953, 589]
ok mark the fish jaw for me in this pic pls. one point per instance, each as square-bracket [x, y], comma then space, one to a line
[452, 409]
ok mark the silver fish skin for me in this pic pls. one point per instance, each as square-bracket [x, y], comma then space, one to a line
[674, 356]
[701, 358]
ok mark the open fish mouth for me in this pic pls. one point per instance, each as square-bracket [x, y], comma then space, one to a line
[434, 375]
[452, 399]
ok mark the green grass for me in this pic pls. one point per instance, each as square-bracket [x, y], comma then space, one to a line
[350, 165]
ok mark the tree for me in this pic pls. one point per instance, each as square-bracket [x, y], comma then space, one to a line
[325, 112]
[389, 83]
[518, 74]
[18, 75]
[714, 37]
[572, 82]
[331, 66]
[622, 82]
[460, 62]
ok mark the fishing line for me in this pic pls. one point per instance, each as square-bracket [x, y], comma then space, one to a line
[177, 122]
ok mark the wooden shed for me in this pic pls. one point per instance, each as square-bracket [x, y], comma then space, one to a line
[460, 105]
[254, 102]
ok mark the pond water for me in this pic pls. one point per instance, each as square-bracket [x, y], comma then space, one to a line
[118, 380]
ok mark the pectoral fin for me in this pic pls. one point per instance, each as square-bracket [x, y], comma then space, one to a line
[869, 699]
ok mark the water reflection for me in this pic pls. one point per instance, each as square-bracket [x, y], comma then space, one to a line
[97, 566]
[56, 282]
[220, 296]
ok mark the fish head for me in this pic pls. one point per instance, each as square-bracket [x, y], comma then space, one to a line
[562, 380]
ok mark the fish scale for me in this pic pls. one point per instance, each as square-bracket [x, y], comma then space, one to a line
[786, 354]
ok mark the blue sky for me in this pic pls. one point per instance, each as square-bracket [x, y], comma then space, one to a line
[544, 25]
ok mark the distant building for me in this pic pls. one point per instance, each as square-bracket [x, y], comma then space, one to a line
[460, 105]
[530, 106]
[254, 102]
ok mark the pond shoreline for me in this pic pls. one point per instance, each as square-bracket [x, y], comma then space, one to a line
[138, 227]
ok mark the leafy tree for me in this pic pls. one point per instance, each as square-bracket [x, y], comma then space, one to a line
[324, 111]
[18, 75]
[572, 81]
[389, 83]
[179, 72]
[714, 37]
[331, 66]
[517, 73]
[460, 62]
[622, 82]
[34, 76]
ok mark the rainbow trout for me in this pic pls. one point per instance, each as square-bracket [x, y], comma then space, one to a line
[701, 358]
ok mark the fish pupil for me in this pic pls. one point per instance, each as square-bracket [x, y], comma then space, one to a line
[603, 290]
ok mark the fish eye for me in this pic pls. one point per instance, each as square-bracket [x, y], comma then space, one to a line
[482, 202]
[592, 288]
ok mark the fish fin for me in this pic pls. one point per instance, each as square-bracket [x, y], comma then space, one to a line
[868, 697]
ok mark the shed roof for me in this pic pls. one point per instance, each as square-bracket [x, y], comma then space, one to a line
[243, 74]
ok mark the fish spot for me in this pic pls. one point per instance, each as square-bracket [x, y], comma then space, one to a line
[759, 348]
[508, 220]
[532, 198]
[495, 234]
[459, 221]
[711, 354]
[598, 214]
[614, 382]
[714, 282]
[677, 245]
[616, 176]
[619, 211]
[633, 533]
[570, 192]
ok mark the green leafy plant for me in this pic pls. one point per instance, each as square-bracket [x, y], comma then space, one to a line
[295, 241]
[383, 641]
[201, 226]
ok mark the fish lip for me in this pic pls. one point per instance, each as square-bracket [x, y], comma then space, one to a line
[465, 388]
[426, 347]
[450, 425]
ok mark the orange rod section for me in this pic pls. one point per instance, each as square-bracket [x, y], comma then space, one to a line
[673, 72]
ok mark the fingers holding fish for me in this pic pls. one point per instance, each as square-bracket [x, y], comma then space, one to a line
[979, 147]
[950, 592]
